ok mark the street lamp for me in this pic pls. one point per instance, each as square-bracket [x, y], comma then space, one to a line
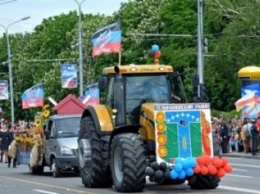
[80, 49]
[9, 62]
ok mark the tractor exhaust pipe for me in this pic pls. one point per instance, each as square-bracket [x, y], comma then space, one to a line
[119, 98]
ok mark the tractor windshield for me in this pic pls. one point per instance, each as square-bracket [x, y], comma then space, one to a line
[146, 88]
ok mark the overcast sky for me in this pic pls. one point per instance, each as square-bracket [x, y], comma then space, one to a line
[39, 9]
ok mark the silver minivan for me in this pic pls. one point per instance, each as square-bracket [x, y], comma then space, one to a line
[60, 150]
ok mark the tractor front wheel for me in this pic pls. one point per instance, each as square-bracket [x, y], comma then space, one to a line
[204, 182]
[128, 163]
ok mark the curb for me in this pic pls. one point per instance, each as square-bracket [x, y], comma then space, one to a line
[249, 156]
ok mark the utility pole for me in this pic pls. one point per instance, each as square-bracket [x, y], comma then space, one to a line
[200, 40]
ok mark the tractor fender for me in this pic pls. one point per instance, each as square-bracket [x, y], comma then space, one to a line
[124, 129]
[102, 116]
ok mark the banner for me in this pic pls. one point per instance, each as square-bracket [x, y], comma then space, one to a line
[91, 96]
[250, 99]
[182, 130]
[107, 40]
[4, 90]
[33, 97]
[69, 76]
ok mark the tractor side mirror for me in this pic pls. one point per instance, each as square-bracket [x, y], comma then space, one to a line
[102, 83]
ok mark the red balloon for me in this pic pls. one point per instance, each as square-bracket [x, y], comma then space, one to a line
[201, 160]
[217, 163]
[228, 168]
[157, 54]
[197, 169]
[212, 169]
[213, 159]
[204, 170]
[207, 159]
[224, 161]
[221, 172]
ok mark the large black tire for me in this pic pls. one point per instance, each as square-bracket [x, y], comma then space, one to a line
[216, 145]
[170, 181]
[36, 170]
[93, 175]
[128, 163]
[204, 182]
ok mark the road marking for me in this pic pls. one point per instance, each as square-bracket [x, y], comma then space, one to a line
[241, 176]
[236, 169]
[245, 165]
[42, 191]
[46, 185]
[239, 189]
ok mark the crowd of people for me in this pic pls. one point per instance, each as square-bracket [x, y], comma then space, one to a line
[240, 135]
[8, 132]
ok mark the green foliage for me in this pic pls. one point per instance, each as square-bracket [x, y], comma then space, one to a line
[231, 26]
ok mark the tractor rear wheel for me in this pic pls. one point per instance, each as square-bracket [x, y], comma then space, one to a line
[204, 182]
[92, 171]
[128, 163]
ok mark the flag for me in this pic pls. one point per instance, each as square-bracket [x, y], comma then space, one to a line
[4, 90]
[249, 99]
[33, 97]
[107, 40]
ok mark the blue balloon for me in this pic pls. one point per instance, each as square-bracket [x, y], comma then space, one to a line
[178, 160]
[173, 174]
[192, 162]
[189, 171]
[186, 163]
[178, 167]
[155, 48]
[181, 174]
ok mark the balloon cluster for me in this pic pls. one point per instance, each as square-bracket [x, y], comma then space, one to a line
[154, 52]
[183, 168]
[157, 172]
[213, 166]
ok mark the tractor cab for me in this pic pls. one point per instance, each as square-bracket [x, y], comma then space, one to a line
[141, 84]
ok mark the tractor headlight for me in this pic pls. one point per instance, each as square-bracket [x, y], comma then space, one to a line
[66, 150]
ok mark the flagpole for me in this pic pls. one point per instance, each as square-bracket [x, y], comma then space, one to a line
[119, 58]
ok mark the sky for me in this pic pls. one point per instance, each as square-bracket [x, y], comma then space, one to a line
[40, 9]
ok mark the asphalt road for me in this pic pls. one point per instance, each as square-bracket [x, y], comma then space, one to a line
[243, 179]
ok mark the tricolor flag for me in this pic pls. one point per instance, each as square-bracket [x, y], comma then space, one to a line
[33, 97]
[107, 40]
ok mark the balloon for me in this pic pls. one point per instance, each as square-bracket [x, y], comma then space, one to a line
[224, 161]
[192, 162]
[157, 54]
[181, 174]
[178, 167]
[197, 169]
[167, 174]
[201, 160]
[158, 175]
[149, 171]
[213, 159]
[228, 168]
[207, 159]
[212, 169]
[185, 164]
[151, 54]
[189, 171]
[155, 48]
[217, 163]
[178, 161]
[221, 172]
[204, 170]
[155, 166]
[173, 174]
[163, 166]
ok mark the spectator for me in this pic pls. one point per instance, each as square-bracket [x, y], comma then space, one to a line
[254, 134]
[224, 135]
[244, 135]
[4, 142]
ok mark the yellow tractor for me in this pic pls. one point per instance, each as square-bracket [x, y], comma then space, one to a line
[119, 141]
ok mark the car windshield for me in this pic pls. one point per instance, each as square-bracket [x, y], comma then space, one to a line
[146, 88]
[68, 127]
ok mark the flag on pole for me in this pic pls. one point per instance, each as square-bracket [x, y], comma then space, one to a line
[33, 97]
[107, 40]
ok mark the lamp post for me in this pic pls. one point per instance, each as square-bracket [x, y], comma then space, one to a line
[9, 62]
[80, 49]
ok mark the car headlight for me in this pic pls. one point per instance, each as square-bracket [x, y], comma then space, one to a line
[66, 150]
